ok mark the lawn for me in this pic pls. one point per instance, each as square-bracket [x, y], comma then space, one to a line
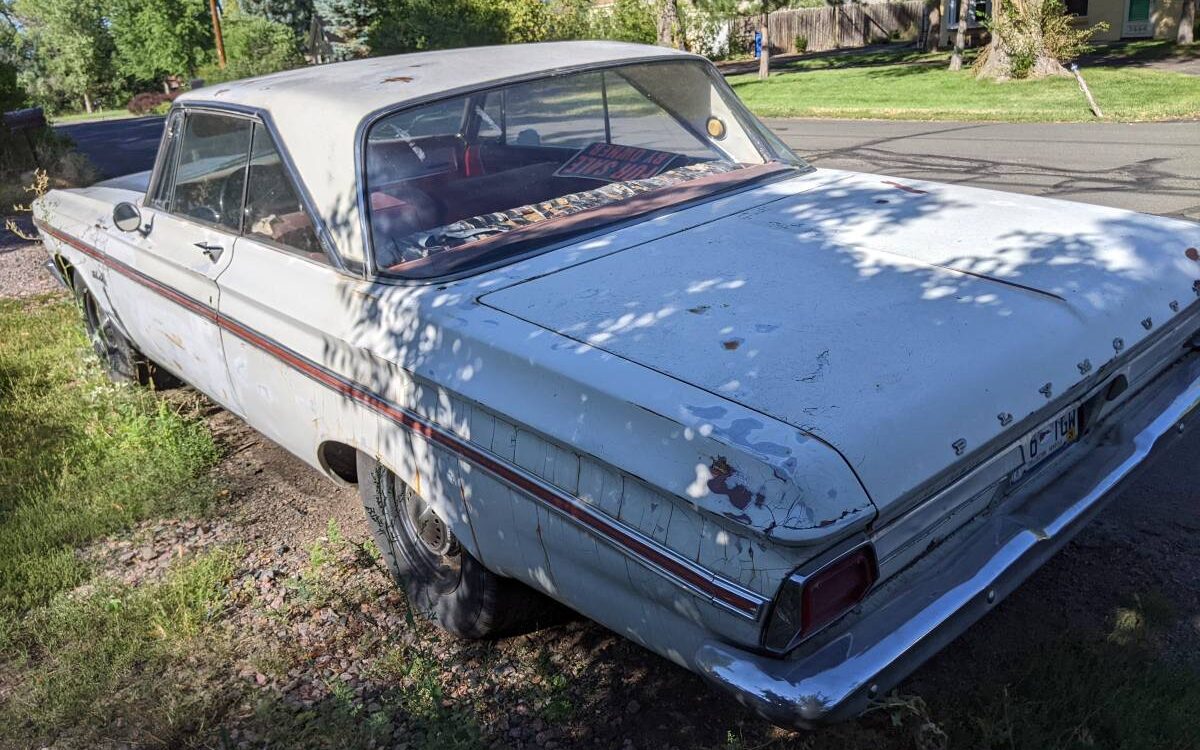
[904, 85]
[100, 114]
[81, 459]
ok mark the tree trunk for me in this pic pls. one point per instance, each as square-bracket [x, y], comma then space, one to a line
[166, 86]
[1187, 23]
[668, 25]
[933, 19]
[764, 59]
[960, 36]
[87, 102]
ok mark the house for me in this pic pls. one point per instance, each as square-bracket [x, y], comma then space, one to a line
[1126, 19]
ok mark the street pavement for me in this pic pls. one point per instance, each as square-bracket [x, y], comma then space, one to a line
[1151, 167]
[117, 147]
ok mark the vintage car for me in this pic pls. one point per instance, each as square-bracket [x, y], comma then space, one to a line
[582, 329]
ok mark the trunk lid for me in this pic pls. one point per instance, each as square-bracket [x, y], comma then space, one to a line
[895, 320]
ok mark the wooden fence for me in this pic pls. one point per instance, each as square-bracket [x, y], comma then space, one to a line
[835, 26]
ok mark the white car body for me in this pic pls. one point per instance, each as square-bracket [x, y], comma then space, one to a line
[668, 422]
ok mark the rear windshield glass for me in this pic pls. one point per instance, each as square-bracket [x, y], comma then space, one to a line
[476, 179]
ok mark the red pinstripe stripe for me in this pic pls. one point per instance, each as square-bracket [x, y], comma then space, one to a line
[412, 422]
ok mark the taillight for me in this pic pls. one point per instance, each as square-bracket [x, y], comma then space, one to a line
[835, 589]
[808, 603]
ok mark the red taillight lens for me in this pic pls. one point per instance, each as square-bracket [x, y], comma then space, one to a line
[836, 588]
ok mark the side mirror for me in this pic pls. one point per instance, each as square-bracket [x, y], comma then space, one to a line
[127, 217]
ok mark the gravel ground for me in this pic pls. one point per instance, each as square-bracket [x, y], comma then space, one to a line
[21, 271]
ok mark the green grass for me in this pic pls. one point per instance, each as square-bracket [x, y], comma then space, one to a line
[81, 457]
[112, 657]
[98, 115]
[915, 86]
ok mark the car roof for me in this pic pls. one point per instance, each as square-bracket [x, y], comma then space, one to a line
[317, 109]
[366, 85]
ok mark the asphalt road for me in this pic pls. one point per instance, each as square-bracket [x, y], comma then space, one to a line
[117, 147]
[1150, 167]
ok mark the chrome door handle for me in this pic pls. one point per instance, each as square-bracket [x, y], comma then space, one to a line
[212, 252]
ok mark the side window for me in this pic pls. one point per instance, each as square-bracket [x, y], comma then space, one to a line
[273, 208]
[567, 112]
[160, 196]
[212, 168]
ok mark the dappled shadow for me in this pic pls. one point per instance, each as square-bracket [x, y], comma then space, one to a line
[1159, 55]
[1145, 176]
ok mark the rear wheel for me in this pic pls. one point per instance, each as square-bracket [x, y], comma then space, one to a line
[444, 583]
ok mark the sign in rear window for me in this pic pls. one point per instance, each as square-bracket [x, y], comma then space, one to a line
[613, 163]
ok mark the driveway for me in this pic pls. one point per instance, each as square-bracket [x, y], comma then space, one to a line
[117, 147]
[1149, 167]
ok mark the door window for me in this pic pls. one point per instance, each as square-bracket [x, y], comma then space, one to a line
[160, 193]
[212, 169]
[274, 211]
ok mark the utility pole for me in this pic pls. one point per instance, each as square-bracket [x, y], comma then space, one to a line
[216, 21]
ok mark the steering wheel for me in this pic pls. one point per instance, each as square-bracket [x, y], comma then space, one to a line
[229, 198]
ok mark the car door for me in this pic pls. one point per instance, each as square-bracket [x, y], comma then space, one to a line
[192, 214]
[286, 314]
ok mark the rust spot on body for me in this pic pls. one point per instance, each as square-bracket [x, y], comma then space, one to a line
[1192, 253]
[739, 495]
[731, 344]
[398, 79]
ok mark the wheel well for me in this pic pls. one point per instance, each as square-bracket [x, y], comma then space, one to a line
[340, 460]
[68, 270]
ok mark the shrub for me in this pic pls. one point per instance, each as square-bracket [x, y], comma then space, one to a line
[801, 44]
[625, 21]
[149, 101]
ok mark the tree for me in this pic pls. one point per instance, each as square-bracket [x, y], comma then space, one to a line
[348, 23]
[157, 39]
[254, 46]
[669, 32]
[1187, 23]
[295, 14]
[1032, 39]
[568, 19]
[12, 93]
[960, 36]
[625, 21]
[72, 45]
[761, 8]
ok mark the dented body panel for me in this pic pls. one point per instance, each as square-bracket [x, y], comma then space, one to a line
[666, 422]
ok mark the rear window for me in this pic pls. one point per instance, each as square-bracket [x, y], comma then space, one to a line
[480, 178]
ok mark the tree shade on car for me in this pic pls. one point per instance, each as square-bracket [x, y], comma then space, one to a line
[477, 171]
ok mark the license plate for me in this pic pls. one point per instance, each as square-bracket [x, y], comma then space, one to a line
[1049, 438]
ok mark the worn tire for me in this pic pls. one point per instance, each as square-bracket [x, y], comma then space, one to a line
[121, 360]
[443, 582]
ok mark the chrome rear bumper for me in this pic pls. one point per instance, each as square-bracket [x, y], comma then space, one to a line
[918, 612]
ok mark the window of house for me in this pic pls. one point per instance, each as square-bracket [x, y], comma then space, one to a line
[1077, 7]
[979, 12]
[274, 211]
[212, 168]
